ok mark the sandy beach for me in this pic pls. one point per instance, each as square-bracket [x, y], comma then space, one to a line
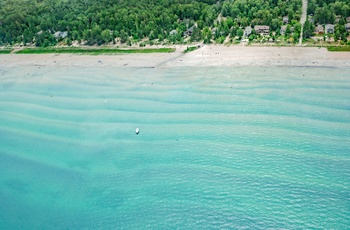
[207, 55]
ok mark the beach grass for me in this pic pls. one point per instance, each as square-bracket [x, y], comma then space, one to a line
[339, 48]
[5, 51]
[92, 51]
[190, 48]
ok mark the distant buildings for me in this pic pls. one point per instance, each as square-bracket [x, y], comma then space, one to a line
[329, 28]
[247, 31]
[189, 31]
[347, 27]
[285, 20]
[60, 34]
[319, 29]
[173, 32]
[265, 30]
[283, 30]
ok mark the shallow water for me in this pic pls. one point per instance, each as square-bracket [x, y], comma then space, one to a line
[223, 147]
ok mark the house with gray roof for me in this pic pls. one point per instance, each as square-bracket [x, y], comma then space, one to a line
[189, 31]
[60, 34]
[347, 27]
[173, 32]
[247, 31]
[262, 29]
[329, 28]
[283, 30]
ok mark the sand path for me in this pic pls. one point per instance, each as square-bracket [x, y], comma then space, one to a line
[302, 20]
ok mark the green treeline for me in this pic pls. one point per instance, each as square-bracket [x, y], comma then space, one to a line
[47, 22]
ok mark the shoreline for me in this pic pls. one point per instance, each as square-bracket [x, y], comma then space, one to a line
[207, 55]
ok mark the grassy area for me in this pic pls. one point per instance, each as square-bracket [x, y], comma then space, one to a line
[92, 51]
[189, 49]
[339, 48]
[5, 51]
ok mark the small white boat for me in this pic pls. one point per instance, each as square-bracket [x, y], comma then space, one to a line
[137, 130]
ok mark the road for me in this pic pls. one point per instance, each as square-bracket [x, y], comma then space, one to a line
[302, 20]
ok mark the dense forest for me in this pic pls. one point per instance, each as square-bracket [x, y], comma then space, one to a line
[146, 21]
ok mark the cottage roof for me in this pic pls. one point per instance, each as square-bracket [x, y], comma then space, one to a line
[319, 29]
[259, 27]
[283, 29]
[60, 34]
[347, 26]
[329, 26]
[191, 28]
[248, 29]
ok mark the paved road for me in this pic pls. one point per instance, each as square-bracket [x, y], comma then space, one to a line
[302, 20]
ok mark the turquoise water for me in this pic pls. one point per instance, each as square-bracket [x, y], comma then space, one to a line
[223, 147]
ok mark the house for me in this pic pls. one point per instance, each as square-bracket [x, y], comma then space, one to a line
[285, 20]
[337, 19]
[247, 31]
[283, 30]
[348, 19]
[329, 28]
[265, 30]
[173, 32]
[189, 31]
[319, 29]
[60, 34]
[213, 31]
[347, 27]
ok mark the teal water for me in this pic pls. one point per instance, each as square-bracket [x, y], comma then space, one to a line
[219, 148]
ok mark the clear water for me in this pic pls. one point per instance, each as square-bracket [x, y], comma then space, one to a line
[224, 147]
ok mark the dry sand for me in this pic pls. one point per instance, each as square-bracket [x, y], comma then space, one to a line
[207, 55]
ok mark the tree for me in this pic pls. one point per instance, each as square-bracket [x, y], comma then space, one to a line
[345, 10]
[275, 24]
[308, 29]
[196, 35]
[106, 36]
[123, 36]
[240, 33]
[206, 35]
